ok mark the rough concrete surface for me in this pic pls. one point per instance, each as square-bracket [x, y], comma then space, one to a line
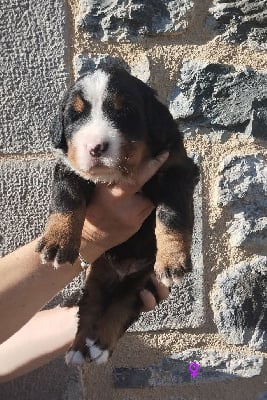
[33, 72]
[55, 381]
[25, 187]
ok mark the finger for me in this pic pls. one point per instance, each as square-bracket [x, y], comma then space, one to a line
[145, 172]
[150, 168]
[162, 290]
[143, 205]
[146, 212]
[149, 301]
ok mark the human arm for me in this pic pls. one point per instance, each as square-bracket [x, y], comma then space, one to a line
[48, 334]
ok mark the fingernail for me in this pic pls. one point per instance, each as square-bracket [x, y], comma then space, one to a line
[163, 156]
[144, 292]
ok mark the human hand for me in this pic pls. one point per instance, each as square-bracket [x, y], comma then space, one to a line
[118, 211]
[149, 301]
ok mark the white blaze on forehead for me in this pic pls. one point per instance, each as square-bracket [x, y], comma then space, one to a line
[94, 88]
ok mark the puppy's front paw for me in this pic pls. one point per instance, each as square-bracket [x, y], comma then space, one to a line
[56, 251]
[171, 268]
[58, 244]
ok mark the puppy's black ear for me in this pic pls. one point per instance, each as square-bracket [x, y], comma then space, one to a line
[163, 130]
[57, 130]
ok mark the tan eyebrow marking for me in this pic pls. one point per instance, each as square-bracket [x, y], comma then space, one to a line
[78, 104]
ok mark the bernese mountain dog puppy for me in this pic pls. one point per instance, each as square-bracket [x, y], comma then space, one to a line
[109, 123]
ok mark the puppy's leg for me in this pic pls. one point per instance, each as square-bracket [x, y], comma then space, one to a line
[174, 224]
[61, 240]
[107, 309]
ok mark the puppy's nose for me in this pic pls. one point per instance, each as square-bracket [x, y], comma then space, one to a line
[99, 149]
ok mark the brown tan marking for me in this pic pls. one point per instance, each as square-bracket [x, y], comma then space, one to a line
[78, 104]
[72, 155]
[118, 102]
[62, 235]
[173, 251]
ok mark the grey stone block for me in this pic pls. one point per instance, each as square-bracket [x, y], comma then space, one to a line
[258, 118]
[179, 398]
[25, 188]
[214, 366]
[88, 63]
[185, 305]
[239, 302]
[242, 187]
[240, 21]
[33, 72]
[221, 99]
[120, 20]
[54, 381]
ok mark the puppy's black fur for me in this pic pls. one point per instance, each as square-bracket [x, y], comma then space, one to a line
[111, 299]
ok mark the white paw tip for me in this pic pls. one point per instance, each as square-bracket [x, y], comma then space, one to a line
[95, 352]
[42, 258]
[167, 281]
[74, 357]
[98, 355]
[89, 342]
[178, 281]
[56, 264]
[103, 358]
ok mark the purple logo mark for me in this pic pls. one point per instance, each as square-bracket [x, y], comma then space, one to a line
[194, 367]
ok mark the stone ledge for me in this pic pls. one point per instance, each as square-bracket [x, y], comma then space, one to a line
[215, 366]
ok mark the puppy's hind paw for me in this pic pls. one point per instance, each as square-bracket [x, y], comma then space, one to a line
[74, 358]
[91, 353]
[100, 356]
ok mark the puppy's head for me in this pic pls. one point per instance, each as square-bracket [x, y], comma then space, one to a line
[110, 123]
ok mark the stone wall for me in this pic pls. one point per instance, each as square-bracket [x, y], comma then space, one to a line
[207, 60]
